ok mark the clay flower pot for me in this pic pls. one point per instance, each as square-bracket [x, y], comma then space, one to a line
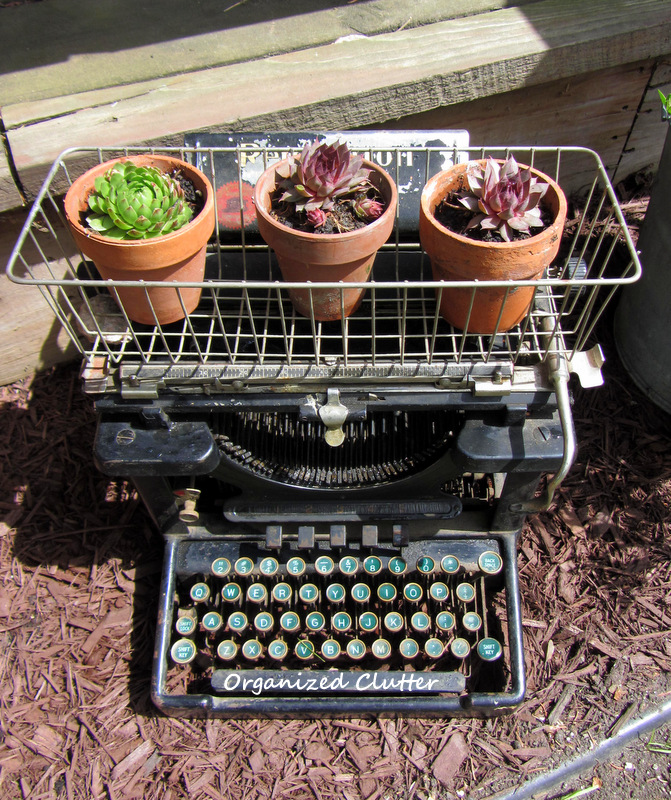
[175, 257]
[329, 257]
[458, 258]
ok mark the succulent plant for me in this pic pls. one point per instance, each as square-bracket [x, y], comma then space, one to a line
[666, 102]
[368, 208]
[503, 197]
[136, 202]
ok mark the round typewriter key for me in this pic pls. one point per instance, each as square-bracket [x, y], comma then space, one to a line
[439, 591]
[289, 621]
[368, 621]
[277, 650]
[295, 566]
[268, 566]
[489, 649]
[315, 621]
[244, 566]
[221, 567]
[200, 592]
[434, 648]
[420, 622]
[330, 649]
[386, 592]
[465, 592]
[324, 565]
[304, 649]
[361, 592]
[227, 650]
[397, 565]
[341, 621]
[445, 621]
[425, 565]
[308, 593]
[264, 622]
[450, 564]
[257, 593]
[413, 592]
[183, 651]
[282, 592]
[231, 593]
[372, 565]
[490, 562]
[460, 648]
[335, 592]
[237, 622]
[381, 648]
[356, 649]
[252, 649]
[349, 565]
[185, 625]
[472, 621]
[408, 648]
[212, 621]
[394, 622]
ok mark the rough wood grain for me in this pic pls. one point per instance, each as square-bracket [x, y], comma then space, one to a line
[9, 194]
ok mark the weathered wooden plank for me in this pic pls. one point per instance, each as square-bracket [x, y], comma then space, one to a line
[393, 74]
[10, 196]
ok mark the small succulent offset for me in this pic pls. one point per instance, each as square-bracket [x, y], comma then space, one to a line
[136, 202]
[504, 198]
[666, 103]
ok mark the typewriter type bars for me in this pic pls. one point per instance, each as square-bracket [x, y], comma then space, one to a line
[379, 574]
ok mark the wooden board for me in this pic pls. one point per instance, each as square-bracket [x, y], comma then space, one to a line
[9, 194]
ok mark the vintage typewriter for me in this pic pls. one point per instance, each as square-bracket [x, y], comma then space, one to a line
[340, 502]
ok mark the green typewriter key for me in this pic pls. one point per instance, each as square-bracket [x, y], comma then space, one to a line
[335, 592]
[490, 562]
[472, 621]
[466, 592]
[315, 621]
[445, 621]
[450, 564]
[257, 593]
[290, 621]
[200, 592]
[386, 592]
[372, 565]
[408, 648]
[330, 649]
[425, 565]
[394, 622]
[304, 649]
[186, 622]
[361, 592]
[295, 566]
[349, 565]
[439, 591]
[413, 592]
[220, 567]
[489, 649]
[252, 649]
[324, 565]
[381, 649]
[237, 622]
[368, 621]
[227, 650]
[397, 565]
[263, 622]
[212, 621]
[356, 649]
[231, 593]
[420, 622]
[341, 621]
[183, 651]
[268, 566]
[282, 592]
[460, 648]
[244, 566]
[277, 650]
[434, 647]
[308, 593]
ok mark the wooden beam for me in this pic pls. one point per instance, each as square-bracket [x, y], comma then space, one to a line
[10, 197]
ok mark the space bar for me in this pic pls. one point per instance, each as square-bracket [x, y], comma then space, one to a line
[271, 682]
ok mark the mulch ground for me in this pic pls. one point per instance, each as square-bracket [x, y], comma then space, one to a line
[79, 582]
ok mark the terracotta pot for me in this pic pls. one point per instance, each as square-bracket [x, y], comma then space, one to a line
[458, 258]
[326, 258]
[176, 257]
